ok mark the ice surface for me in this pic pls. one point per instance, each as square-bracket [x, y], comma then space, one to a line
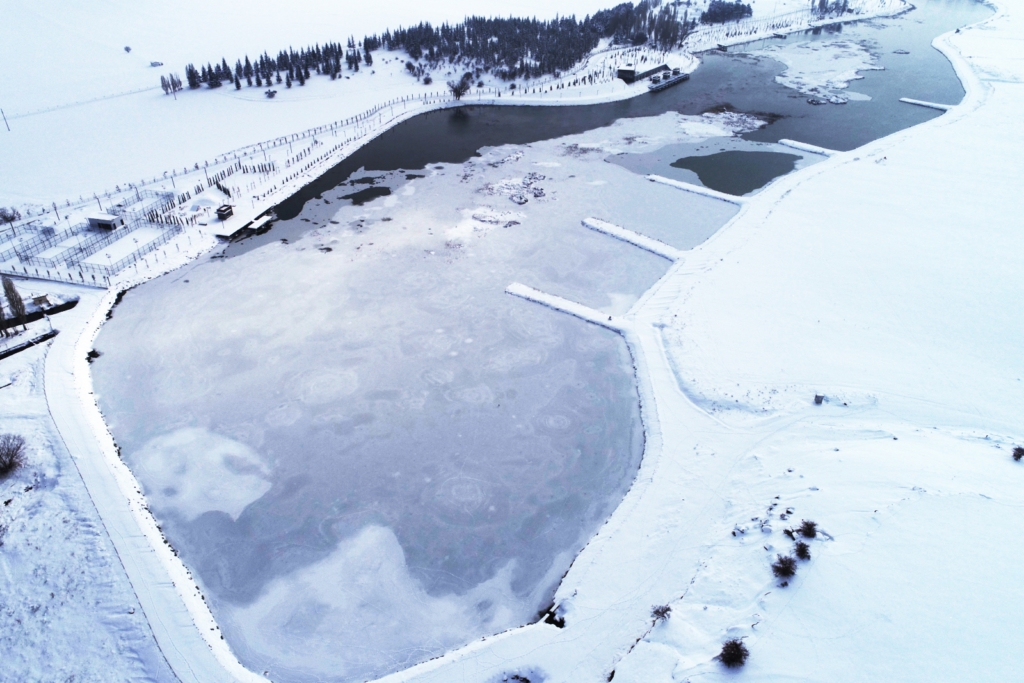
[823, 70]
[366, 451]
[665, 160]
[192, 471]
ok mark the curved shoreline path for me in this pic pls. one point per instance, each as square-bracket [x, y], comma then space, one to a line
[176, 612]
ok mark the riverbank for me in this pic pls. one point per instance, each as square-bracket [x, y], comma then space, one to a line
[198, 604]
[80, 151]
[894, 313]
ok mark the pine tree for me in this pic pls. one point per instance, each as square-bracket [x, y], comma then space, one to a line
[259, 81]
[165, 85]
[368, 58]
[288, 79]
[14, 301]
[192, 76]
[238, 83]
[247, 69]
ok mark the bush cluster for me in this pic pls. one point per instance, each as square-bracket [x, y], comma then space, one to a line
[784, 567]
[734, 653]
[12, 453]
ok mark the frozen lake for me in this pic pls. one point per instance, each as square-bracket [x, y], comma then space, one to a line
[363, 448]
[366, 451]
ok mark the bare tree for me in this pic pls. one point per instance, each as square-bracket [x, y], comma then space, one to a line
[9, 215]
[12, 452]
[14, 301]
[459, 88]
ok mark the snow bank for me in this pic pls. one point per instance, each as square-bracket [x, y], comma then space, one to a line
[69, 609]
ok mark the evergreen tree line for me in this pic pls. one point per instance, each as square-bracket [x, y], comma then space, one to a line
[824, 7]
[170, 83]
[512, 48]
[527, 48]
[287, 67]
[720, 11]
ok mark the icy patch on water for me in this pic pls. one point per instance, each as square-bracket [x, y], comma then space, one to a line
[645, 134]
[190, 471]
[733, 122]
[362, 594]
[822, 70]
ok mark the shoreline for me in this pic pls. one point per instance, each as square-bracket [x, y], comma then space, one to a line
[183, 585]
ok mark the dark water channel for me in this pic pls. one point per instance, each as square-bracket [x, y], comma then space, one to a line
[734, 80]
[718, 171]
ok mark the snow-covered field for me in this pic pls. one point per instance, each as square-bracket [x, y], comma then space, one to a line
[68, 609]
[857, 280]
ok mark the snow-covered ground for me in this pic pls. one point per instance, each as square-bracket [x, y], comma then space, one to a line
[919, 341]
[68, 608]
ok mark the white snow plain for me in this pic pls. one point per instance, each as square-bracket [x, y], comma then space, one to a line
[652, 543]
[68, 608]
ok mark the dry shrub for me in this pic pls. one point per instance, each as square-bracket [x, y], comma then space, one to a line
[784, 567]
[12, 453]
[734, 653]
